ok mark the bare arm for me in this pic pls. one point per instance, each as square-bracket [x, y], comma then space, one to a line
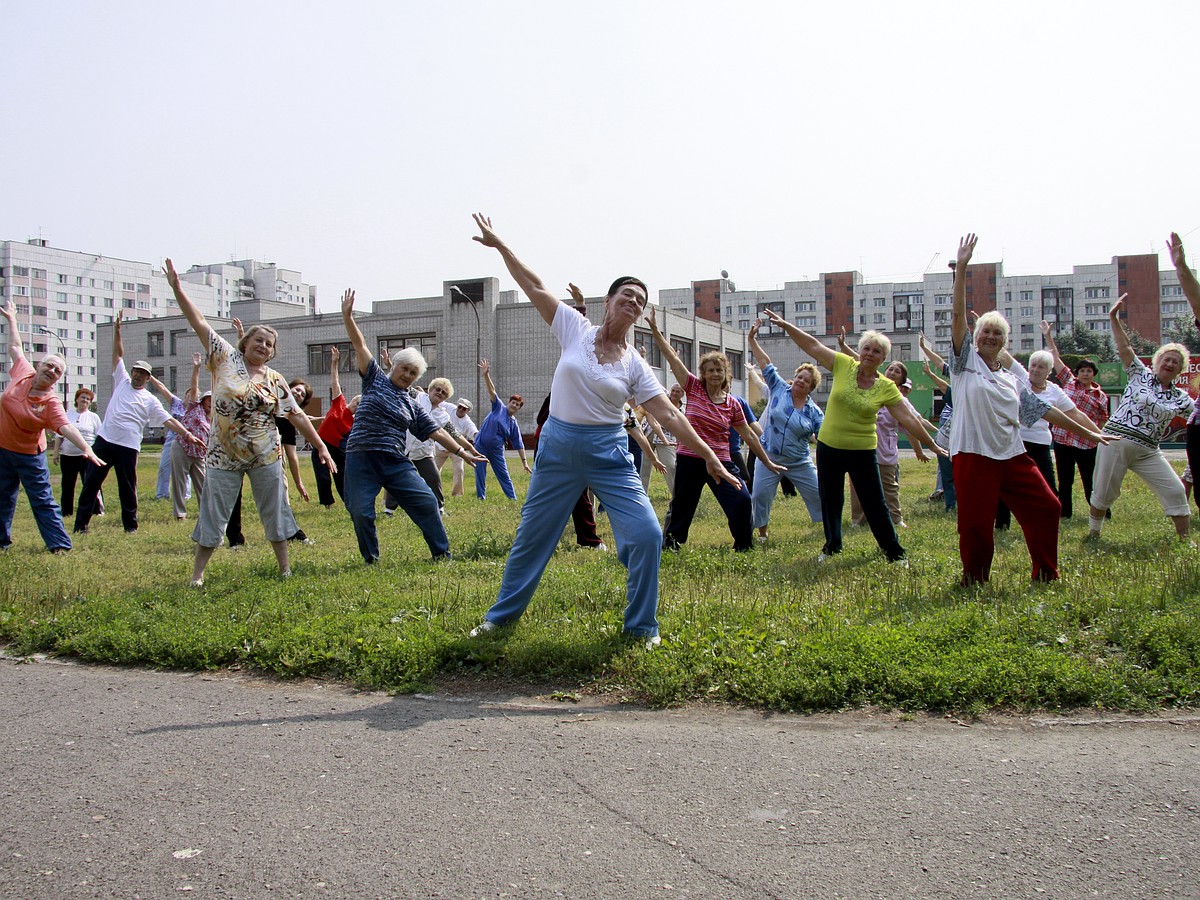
[457, 446]
[678, 369]
[190, 312]
[71, 433]
[1187, 281]
[1120, 338]
[293, 461]
[844, 347]
[486, 368]
[197, 361]
[335, 384]
[654, 426]
[760, 355]
[647, 450]
[750, 436]
[357, 341]
[805, 341]
[544, 301]
[676, 422]
[163, 389]
[15, 353]
[938, 381]
[914, 427]
[305, 426]
[1048, 337]
[958, 318]
[931, 354]
[118, 344]
[1062, 420]
[176, 426]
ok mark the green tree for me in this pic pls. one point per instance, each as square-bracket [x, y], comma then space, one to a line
[1082, 342]
[1183, 331]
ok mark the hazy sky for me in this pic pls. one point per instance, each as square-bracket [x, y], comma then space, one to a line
[670, 140]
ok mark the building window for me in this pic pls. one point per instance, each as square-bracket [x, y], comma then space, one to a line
[22, 271]
[143, 288]
[1027, 310]
[62, 279]
[881, 302]
[39, 274]
[880, 318]
[941, 300]
[744, 324]
[683, 348]
[1026, 296]
[154, 343]
[126, 303]
[426, 343]
[807, 321]
[40, 311]
[806, 306]
[643, 342]
[38, 293]
[736, 368]
[319, 357]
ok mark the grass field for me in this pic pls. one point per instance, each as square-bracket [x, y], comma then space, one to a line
[771, 629]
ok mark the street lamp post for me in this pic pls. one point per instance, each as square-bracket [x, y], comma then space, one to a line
[458, 295]
[63, 347]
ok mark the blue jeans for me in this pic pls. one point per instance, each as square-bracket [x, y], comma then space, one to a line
[495, 456]
[946, 470]
[368, 473]
[803, 476]
[571, 458]
[29, 470]
[833, 465]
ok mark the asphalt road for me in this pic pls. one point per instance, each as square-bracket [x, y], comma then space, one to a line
[129, 783]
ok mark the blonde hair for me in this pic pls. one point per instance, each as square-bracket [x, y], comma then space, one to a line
[444, 384]
[811, 370]
[1168, 348]
[245, 338]
[996, 320]
[875, 337]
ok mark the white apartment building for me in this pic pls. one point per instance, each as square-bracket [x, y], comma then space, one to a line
[61, 296]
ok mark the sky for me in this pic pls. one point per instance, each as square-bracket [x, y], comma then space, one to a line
[665, 139]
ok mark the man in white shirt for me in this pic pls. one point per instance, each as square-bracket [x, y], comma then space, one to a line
[126, 415]
[460, 420]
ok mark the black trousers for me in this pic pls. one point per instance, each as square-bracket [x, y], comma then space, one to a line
[833, 465]
[124, 460]
[691, 475]
[1067, 458]
[75, 468]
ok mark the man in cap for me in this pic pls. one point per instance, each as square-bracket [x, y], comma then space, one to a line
[464, 427]
[126, 415]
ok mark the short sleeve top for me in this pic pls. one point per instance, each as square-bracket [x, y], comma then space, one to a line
[243, 433]
[711, 421]
[1147, 407]
[587, 392]
[786, 430]
[989, 407]
[850, 411]
[386, 415]
[24, 419]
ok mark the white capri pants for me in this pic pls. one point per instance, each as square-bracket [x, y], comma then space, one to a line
[1115, 459]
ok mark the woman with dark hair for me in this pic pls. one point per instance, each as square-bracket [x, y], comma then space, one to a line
[848, 438]
[246, 396]
[375, 459]
[1070, 450]
[711, 411]
[499, 427]
[28, 407]
[70, 459]
[584, 445]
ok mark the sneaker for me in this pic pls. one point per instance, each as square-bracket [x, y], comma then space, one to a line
[824, 557]
[389, 512]
[937, 495]
[286, 573]
[57, 551]
[308, 542]
[601, 547]
[485, 627]
[901, 524]
[237, 546]
[197, 583]
[762, 540]
[901, 563]
[654, 641]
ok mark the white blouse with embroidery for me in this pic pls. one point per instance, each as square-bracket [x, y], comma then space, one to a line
[584, 391]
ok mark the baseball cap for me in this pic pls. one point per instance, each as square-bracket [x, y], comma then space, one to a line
[464, 403]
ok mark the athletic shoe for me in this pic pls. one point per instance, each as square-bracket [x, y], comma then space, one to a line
[485, 627]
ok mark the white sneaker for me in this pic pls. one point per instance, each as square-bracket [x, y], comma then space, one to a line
[901, 563]
[824, 557]
[485, 627]
[652, 642]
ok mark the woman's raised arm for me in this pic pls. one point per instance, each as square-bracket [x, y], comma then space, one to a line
[959, 327]
[357, 341]
[190, 312]
[1120, 338]
[678, 369]
[805, 341]
[545, 302]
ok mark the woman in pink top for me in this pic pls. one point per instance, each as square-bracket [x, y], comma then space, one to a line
[28, 407]
[712, 411]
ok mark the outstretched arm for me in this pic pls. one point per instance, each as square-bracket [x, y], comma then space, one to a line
[760, 355]
[844, 347]
[357, 341]
[1187, 281]
[190, 312]
[805, 341]
[486, 368]
[15, 353]
[304, 425]
[1048, 337]
[197, 361]
[335, 384]
[1120, 338]
[118, 345]
[678, 369]
[164, 390]
[545, 302]
[71, 433]
[1089, 431]
[676, 422]
[938, 381]
[930, 353]
[914, 427]
[958, 318]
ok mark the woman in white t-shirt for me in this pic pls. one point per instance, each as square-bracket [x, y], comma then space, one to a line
[986, 450]
[71, 461]
[583, 445]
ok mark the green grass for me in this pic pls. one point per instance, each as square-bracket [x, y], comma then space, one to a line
[770, 629]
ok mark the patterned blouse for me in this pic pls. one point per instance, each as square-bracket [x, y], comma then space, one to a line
[1147, 408]
[1092, 401]
[243, 434]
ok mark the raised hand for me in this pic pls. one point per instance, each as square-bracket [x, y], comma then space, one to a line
[1118, 306]
[348, 302]
[486, 236]
[334, 355]
[237, 326]
[754, 328]
[1045, 328]
[197, 359]
[576, 293]
[1175, 248]
[484, 367]
[171, 274]
[966, 249]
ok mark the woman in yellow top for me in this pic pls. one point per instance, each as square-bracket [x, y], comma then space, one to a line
[846, 444]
